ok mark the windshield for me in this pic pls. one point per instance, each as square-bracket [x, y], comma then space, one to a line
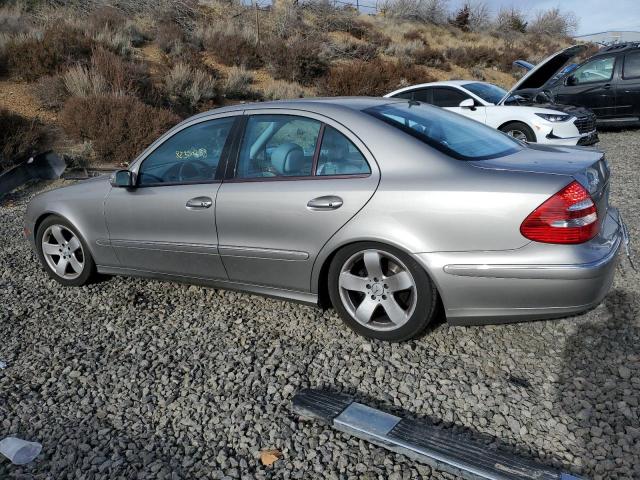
[486, 91]
[453, 134]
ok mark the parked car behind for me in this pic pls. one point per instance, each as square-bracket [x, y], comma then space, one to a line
[382, 208]
[608, 83]
[493, 106]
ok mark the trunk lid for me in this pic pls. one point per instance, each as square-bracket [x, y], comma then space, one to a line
[589, 167]
[544, 71]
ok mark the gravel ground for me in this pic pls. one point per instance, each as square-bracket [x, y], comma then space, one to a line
[144, 379]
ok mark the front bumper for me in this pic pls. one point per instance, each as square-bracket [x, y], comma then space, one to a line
[533, 282]
[564, 133]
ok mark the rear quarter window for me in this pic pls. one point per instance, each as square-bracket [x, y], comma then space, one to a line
[631, 68]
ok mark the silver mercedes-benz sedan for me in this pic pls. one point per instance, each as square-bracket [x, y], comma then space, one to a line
[382, 208]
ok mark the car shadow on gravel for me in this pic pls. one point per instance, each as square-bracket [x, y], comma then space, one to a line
[598, 391]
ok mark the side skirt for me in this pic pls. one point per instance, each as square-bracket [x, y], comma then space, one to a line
[423, 443]
[281, 294]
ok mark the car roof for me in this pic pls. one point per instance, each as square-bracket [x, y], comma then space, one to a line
[319, 105]
[443, 83]
[616, 48]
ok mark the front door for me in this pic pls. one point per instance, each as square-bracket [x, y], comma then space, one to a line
[591, 86]
[295, 182]
[166, 223]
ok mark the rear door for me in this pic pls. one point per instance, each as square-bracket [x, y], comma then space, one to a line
[591, 86]
[450, 98]
[297, 178]
[628, 87]
[166, 224]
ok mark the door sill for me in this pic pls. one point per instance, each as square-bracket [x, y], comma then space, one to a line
[305, 298]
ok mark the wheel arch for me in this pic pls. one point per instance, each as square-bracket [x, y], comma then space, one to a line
[524, 122]
[321, 274]
[49, 213]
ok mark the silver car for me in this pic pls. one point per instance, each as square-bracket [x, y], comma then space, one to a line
[382, 208]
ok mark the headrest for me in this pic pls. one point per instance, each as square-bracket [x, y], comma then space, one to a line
[288, 159]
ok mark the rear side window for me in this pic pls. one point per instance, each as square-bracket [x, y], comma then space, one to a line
[453, 134]
[447, 97]
[631, 67]
[278, 146]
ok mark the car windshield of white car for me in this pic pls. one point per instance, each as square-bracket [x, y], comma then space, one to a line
[453, 134]
[486, 91]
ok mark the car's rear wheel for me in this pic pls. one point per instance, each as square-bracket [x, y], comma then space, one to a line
[63, 252]
[519, 131]
[381, 292]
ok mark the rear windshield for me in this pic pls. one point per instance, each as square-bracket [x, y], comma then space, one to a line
[453, 134]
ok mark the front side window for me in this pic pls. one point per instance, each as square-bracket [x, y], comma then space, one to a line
[453, 134]
[600, 70]
[278, 146]
[339, 156]
[631, 66]
[190, 156]
[448, 97]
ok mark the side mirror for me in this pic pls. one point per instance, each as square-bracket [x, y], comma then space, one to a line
[468, 103]
[122, 179]
[570, 81]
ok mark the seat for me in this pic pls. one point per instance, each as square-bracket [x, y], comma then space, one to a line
[288, 160]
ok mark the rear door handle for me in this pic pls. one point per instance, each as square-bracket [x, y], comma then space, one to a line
[198, 203]
[328, 202]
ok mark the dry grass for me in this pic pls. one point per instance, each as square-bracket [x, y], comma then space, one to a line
[238, 83]
[280, 90]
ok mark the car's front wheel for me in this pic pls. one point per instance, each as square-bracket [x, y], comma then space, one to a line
[381, 292]
[519, 130]
[63, 252]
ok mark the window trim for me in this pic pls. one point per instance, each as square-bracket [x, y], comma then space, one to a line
[234, 158]
[226, 150]
[624, 64]
[613, 69]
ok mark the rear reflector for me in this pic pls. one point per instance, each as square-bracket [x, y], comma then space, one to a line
[570, 216]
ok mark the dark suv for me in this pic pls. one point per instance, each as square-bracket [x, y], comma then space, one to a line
[608, 83]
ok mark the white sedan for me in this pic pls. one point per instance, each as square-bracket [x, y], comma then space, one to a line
[498, 108]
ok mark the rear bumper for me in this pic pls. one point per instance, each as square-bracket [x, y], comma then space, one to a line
[536, 281]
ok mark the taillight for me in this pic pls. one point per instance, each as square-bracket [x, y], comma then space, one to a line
[570, 216]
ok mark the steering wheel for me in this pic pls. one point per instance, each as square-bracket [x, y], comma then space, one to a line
[185, 175]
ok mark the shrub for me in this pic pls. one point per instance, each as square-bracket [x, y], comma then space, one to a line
[350, 49]
[186, 87]
[231, 46]
[281, 89]
[51, 91]
[119, 128]
[413, 35]
[238, 83]
[418, 52]
[170, 38]
[35, 57]
[554, 22]
[462, 18]
[19, 138]
[428, 11]
[468, 57]
[296, 60]
[123, 76]
[511, 19]
[374, 78]
[83, 82]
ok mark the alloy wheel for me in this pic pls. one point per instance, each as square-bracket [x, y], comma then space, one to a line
[377, 290]
[518, 135]
[63, 252]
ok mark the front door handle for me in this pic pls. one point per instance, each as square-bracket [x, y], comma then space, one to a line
[328, 202]
[607, 86]
[198, 203]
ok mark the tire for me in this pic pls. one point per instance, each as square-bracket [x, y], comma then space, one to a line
[58, 235]
[367, 288]
[521, 128]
